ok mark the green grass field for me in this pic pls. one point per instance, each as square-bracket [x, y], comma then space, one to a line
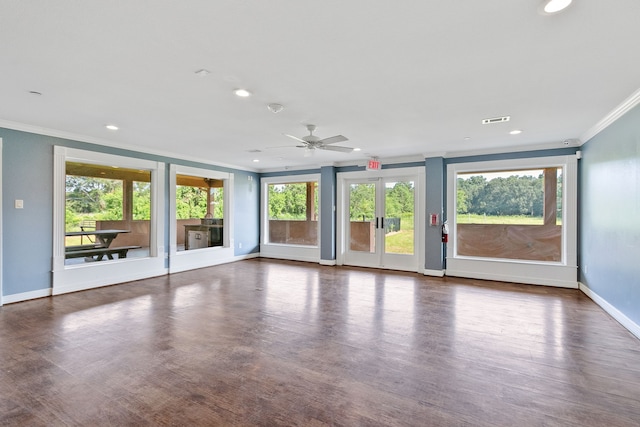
[401, 242]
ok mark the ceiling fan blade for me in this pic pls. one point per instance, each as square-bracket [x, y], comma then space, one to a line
[334, 139]
[295, 137]
[335, 148]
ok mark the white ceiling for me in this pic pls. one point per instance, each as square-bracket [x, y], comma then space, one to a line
[398, 78]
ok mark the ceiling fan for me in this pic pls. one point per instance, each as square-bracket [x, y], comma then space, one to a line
[312, 142]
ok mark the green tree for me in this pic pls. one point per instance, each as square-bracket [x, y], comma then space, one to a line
[362, 202]
[191, 202]
[400, 199]
[141, 200]
[288, 201]
[92, 198]
[471, 189]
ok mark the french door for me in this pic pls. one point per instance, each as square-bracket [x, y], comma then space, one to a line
[380, 221]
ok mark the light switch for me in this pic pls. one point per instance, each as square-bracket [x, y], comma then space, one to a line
[19, 204]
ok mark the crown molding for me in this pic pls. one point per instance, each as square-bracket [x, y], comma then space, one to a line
[509, 149]
[614, 115]
[108, 143]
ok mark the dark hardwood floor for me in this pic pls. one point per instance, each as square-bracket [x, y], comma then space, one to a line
[266, 342]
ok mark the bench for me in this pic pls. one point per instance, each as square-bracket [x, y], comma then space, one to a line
[98, 252]
[82, 247]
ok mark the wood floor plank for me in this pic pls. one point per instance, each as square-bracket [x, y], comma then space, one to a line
[269, 342]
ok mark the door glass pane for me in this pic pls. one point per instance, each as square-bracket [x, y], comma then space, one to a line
[399, 206]
[510, 214]
[362, 217]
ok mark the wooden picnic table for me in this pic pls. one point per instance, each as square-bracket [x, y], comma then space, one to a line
[100, 247]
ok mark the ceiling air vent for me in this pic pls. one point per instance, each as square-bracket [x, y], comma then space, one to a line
[496, 120]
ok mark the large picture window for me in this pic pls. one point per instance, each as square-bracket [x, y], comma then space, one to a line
[513, 220]
[514, 214]
[106, 219]
[107, 213]
[199, 212]
[201, 221]
[293, 213]
[290, 221]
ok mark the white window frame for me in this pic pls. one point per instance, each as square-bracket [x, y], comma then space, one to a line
[205, 257]
[280, 250]
[76, 277]
[560, 274]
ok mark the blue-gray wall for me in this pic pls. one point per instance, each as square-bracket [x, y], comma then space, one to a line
[328, 213]
[609, 206]
[27, 173]
[435, 177]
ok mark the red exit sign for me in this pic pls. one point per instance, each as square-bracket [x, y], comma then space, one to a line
[374, 165]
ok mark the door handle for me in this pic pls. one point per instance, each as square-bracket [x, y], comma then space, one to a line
[376, 222]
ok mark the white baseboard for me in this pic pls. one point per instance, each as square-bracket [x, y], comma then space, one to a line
[24, 296]
[290, 257]
[329, 262]
[42, 293]
[434, 273]
[210, 262]
[633, 327]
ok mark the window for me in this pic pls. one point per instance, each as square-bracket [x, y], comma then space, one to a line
[513, 220]
[513, 214]
[293, 213]
[199, 212]
[99, 198]
[105, 217]
[201, 217]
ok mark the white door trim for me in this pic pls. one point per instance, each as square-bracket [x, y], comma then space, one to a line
[342, 206]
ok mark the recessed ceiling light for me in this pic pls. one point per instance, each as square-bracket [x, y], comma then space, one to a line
[203, 73]
[35, 92]
[515, 132]
[256, 160]
[112, 127]
[242, 93]
[357, 149]
[466, 138]
[550, 7]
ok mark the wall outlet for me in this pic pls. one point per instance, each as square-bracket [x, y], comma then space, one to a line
[19, 204]
[240, 245]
